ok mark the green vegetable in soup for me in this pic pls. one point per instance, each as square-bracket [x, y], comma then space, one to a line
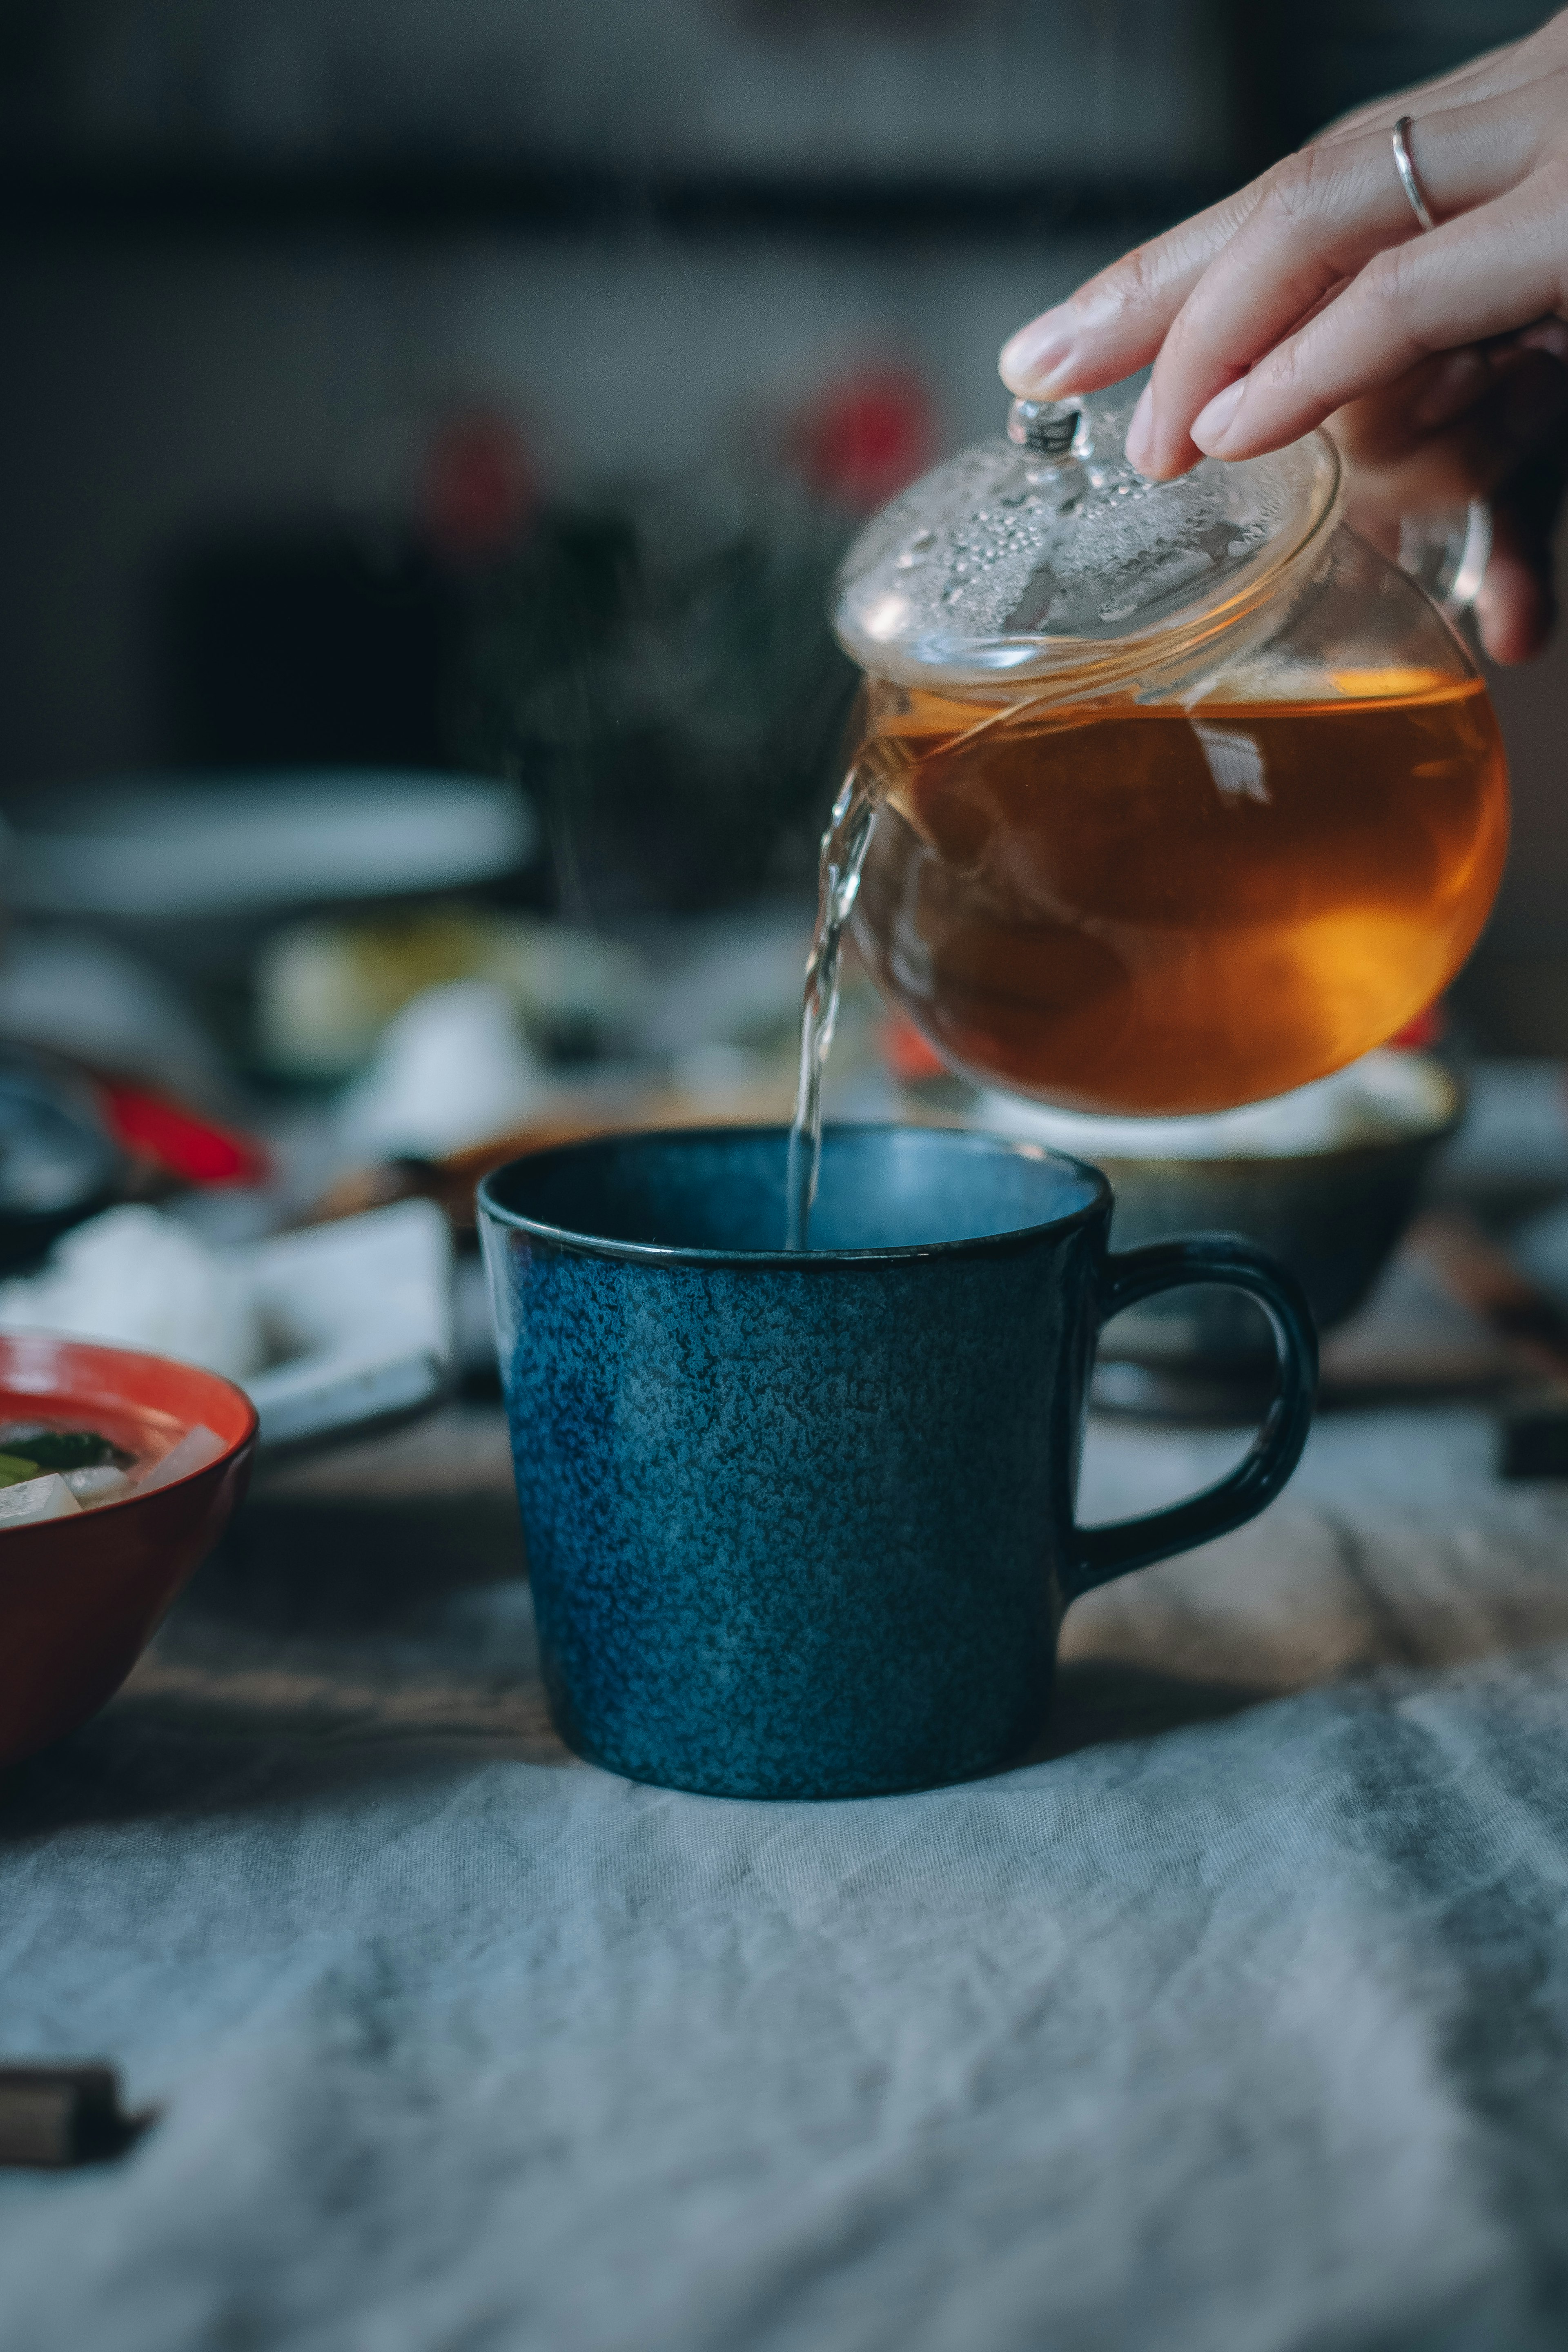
[74, 1449]
[15, 1472]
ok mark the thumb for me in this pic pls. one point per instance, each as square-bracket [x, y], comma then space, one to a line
[1517, 603]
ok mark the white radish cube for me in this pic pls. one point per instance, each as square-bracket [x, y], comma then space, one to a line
[36, 1499]
[198, 1446]
[102, 1484]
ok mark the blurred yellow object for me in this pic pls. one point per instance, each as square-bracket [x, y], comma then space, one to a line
[326, 990]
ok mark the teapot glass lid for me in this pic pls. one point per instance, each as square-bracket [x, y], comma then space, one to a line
[1046, 550]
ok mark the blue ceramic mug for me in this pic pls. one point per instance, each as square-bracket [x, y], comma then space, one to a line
[802, 1526]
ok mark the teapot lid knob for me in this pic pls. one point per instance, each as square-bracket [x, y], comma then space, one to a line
[1046, 426]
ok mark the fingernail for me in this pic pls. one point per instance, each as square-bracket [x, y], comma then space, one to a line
[1533, 399]
[1452, 388]
[1031, 362]
[1141, 430]
[1212, 424]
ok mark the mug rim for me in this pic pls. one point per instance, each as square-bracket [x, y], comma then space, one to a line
[797, 1260]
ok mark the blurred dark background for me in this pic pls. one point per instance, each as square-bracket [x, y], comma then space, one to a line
[494, 386]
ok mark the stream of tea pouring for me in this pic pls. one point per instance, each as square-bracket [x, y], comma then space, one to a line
[844, 847]
[1049, 428]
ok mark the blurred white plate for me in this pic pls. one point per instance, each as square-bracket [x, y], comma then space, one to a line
[204, 845]
[347, 1323]
[361, 1314]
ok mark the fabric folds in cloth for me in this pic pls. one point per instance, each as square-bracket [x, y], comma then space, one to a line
[1239, 2019]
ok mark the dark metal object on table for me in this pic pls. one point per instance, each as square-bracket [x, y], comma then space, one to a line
[52, 2117]
[1532, 1431]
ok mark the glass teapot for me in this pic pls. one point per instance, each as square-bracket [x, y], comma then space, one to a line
[1185, 795]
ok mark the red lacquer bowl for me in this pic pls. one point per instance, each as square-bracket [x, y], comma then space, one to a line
[81, 1597]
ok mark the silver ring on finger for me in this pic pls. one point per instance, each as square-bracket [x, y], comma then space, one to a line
[1406, 171]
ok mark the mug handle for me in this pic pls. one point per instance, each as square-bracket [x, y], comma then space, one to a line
[1104, 1552]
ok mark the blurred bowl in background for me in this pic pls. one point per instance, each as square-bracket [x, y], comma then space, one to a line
[189, 847]
[1325, 1178]
[190, 874]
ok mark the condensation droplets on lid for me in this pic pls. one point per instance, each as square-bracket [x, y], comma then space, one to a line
[1022, 553]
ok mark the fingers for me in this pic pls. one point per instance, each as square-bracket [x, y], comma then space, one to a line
[1496, 443]
[1494, 71]
[1475, 279]
[1507, 445]
[1404, 419]
[1517, 603]
[1323, 216]
[1408, 421]
[1116, 322]
[1327, 214]
[1311, 296]
[1474, 415]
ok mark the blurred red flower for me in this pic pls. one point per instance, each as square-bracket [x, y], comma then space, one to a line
[1428, 1028]
[866, 437]
[477, 489]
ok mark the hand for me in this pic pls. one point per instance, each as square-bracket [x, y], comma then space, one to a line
[1440, 360]
[1486, 423]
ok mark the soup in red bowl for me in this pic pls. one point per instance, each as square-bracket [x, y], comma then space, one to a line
[82, 1594]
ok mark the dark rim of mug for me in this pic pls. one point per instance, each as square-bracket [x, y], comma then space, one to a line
[800, 1261]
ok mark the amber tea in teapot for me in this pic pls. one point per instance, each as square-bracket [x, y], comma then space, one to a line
[1183, 795]
[1148, 909]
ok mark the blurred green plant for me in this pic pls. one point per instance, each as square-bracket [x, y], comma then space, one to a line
[658, 671]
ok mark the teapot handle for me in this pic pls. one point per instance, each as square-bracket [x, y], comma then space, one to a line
[1448, 554]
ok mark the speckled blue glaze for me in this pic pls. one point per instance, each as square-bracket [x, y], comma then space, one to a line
[803, 1526]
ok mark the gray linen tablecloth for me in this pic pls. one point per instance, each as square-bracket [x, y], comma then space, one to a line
[1240, 2018]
